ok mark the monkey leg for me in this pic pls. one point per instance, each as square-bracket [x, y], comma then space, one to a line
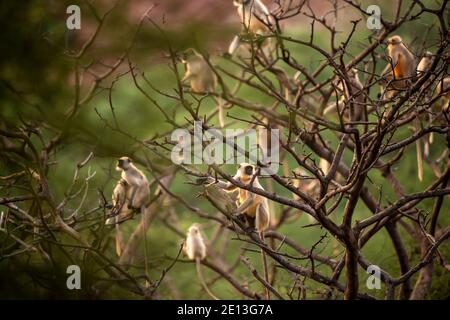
[241, 217]
[419, 153]
[262, 219]
[250, 222]
[119, 239]
[132, 198]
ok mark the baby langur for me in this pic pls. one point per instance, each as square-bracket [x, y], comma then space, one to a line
[195, 249]
[254, 207]
[424, 64]
[137, 182]
[120, 211]
[353, 93]
[201, 77]
[255, 19]
[401, 69]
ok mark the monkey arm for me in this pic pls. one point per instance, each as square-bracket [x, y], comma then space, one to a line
[133, 195]
[227, 186]
[244, 205]
[262, 221]
[187, 76]
[388, 72]
[234, 45]
[261, 9]
[333, 107]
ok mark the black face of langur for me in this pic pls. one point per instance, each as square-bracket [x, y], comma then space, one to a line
[123, 163]
[245, 172]
[187, 55]
[248, 170]
[394, 40]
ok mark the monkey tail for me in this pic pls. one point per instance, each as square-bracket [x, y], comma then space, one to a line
[119, 238]
[419, 160]
[144, 230]
[264, 262]
[221, 115]
[202, 280]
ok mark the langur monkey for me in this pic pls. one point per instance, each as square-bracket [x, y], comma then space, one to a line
[120, 211]
[137, 183]
[401, 69]
[254, 16]
[201, 77]
[255, 19]
[443, 89]
[424, 64]
[195, 249]
[355, 93]
[254, 207]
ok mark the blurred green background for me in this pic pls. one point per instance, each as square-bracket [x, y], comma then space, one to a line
[37, 84]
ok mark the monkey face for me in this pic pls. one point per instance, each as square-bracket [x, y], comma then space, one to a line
[248, 170]
[194, 230]
[394, 40]
[123, 163]
[352, 73]
[188, 55]
[245, 172]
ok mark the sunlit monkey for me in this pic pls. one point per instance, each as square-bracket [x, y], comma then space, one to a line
[198, 72]
[255, 19]
[254, 15]
[443, 89]
[201, 77]
[120, 211]
[195, 249]
[137, 182]
[254, 207]
[425, 63]
[120, 198]
[400, 70]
